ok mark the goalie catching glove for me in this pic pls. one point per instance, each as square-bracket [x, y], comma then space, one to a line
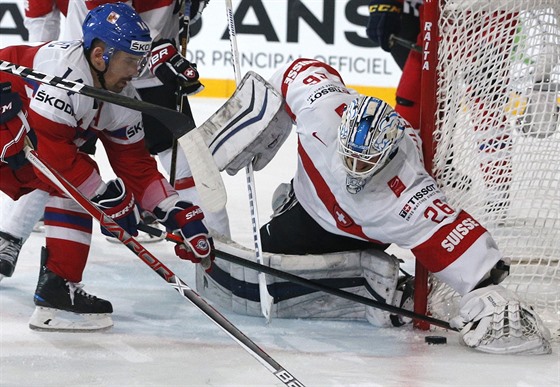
[172, 68]
[187, 218]
[120, 205]
[493, 320]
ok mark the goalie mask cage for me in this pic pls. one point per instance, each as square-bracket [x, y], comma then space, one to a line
[490, 127]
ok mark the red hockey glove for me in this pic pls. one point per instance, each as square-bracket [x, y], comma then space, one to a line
[384, 21]
[120, 206]
[187, 218]
[171, 68]
[13, 129]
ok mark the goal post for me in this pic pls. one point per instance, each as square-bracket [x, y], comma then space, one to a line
[490, 124]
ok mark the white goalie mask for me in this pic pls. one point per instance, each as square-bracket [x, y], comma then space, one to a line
[369, 135]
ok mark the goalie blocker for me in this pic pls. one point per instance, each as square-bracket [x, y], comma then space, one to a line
[368, 273]
[250, 127]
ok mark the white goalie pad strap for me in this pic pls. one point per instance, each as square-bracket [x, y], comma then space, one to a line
[250, 127]
[381, 271]
[236, 288]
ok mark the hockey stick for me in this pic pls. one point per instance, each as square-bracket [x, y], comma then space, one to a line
[265, 297]
[405, 43]
[303, 281]
[203, 167]
[156, 265]
[183, 105]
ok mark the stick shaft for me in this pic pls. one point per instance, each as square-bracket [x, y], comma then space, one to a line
[406, 43]
[183, 104]
[266, 299]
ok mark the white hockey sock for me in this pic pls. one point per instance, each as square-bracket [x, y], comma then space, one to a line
[18, 218]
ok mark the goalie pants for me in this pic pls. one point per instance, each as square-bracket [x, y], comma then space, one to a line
[296, 232]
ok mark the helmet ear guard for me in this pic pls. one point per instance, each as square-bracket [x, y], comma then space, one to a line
[369, 135]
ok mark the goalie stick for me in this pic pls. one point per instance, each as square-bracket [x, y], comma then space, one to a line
[205, 172]
[164, 272]
[303, 281]
[266, 299]
[183, 104]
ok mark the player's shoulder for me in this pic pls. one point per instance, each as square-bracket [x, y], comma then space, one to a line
[65, 59]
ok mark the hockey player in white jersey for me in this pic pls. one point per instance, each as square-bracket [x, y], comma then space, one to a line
[115, 47]
[168, 69]
[162, 16]
[360, 184]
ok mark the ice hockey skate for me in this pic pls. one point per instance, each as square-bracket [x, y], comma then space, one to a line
[10, 247]
[62, 305]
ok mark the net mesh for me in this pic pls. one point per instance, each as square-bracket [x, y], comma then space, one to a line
[498, 138]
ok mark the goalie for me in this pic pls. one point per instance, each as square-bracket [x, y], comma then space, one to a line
[359, 186]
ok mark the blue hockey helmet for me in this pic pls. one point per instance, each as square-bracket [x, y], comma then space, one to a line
[369, 134]
[120, 28]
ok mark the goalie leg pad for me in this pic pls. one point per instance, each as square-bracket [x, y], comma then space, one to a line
[236, 288]
[250, 127]
[381, 272]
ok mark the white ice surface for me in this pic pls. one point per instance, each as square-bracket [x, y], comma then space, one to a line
[160, 339]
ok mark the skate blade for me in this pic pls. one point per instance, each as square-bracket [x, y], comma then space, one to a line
[55, 320]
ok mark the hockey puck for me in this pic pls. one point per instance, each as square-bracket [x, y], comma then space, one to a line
[435, 340]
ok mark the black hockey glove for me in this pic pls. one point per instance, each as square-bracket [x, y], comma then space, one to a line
[172, 68]
[120, 205]
[384, 21]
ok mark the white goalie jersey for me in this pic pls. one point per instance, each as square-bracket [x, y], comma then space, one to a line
[401, 204]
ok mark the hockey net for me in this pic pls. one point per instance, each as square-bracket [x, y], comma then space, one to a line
[495, 135]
